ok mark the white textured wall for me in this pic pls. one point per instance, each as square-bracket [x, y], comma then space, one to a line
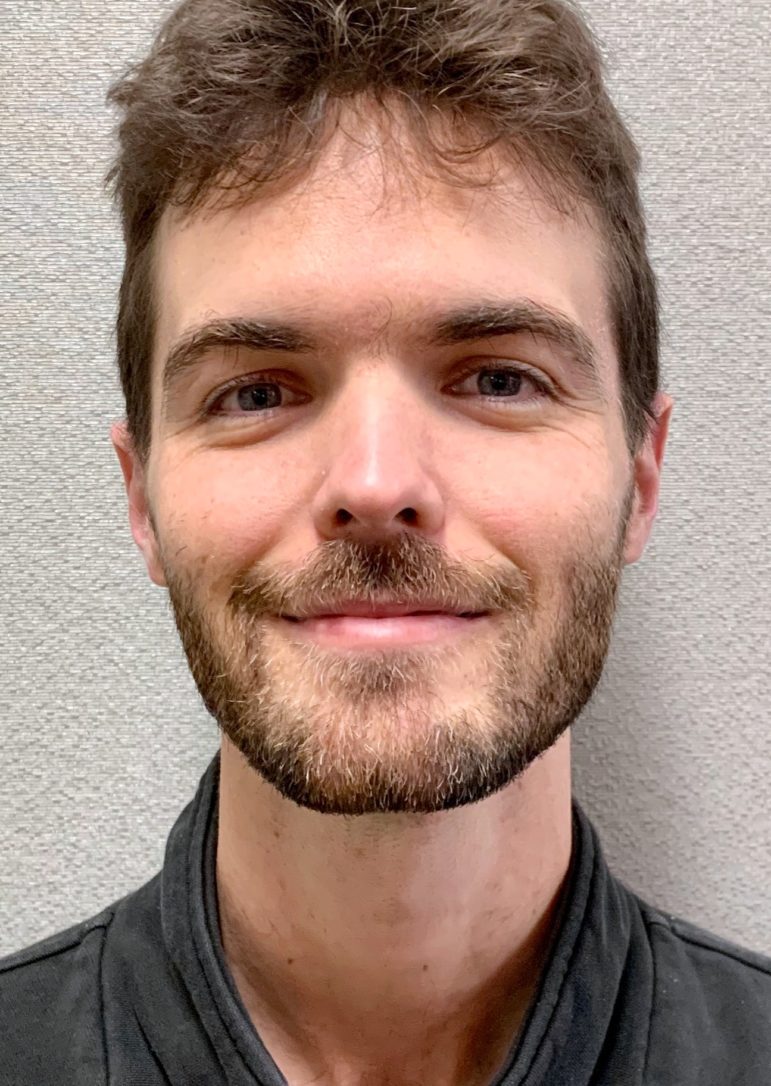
[103, 735]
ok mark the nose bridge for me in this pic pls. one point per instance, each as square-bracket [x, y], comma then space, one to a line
[378, 408]
[376, 452]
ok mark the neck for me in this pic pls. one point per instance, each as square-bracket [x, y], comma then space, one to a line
[391, 949]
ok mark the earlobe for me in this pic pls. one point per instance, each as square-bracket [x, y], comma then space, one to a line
[138, 504]
[647, 481]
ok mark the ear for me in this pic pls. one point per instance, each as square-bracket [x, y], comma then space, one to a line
[139, 509]
[647, 481]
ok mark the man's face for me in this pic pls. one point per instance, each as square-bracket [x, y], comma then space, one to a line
[374, 451]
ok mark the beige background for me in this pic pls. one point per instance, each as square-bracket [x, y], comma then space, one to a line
[103, 735]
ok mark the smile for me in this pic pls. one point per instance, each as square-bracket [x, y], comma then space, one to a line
[354, 631]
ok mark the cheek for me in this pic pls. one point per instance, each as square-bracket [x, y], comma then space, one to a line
[543, 500]
[222, 510]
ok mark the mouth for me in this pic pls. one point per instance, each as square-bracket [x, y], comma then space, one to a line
[384, 609]
[347, 630]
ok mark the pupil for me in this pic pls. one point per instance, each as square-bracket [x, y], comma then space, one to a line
[500, 380]
[258, 396]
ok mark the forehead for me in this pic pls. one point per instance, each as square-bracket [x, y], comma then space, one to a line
[367, 243]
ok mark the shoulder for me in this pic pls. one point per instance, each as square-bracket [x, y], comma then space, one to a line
[706, 959]
[50, 1008]
[711, 1005]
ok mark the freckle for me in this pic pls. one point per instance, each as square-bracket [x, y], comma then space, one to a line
[290, 961]
[425, 968]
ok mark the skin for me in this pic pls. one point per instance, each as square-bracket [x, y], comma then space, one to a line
[404, 946]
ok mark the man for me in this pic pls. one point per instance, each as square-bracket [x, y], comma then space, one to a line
[388, 343]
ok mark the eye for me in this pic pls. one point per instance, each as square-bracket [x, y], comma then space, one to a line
[245, 395]
[496, 382]
[503, 382]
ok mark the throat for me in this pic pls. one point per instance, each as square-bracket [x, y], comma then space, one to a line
[336, 1041]
[391, 945]
[340, 1018]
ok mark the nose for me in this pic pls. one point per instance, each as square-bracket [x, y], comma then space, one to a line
[378, 477]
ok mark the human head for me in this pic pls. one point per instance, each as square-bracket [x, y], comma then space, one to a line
[384, 208]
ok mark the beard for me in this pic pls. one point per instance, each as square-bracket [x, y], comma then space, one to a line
[417, 729]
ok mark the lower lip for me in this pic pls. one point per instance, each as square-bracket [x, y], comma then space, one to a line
[350, 631]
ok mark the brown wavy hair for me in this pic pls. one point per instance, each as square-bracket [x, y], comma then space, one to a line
[238, 94]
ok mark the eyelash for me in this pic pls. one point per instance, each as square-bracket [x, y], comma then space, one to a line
[545, 388]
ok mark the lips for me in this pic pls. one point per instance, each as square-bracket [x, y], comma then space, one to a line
[381, 631]
[389, 610]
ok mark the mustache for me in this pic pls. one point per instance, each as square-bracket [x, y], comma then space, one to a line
[404, 568]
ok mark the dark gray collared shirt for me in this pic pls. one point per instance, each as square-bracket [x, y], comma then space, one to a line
[141, 995]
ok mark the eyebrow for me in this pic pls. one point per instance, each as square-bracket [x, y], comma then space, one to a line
[190, 351]
[486, 320]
